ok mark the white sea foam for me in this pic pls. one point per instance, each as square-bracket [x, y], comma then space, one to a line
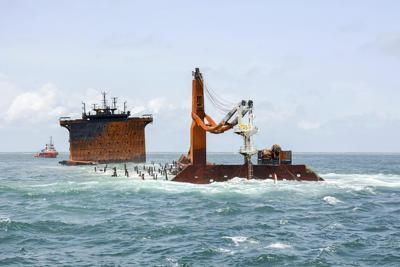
[224, 210]
[334, 183]
[44, 185]
[172, 261]
[236, 239]
[283, 221]
[89, 183]
[361, 181]
[329, 249]
[331, 200]
[335, 226]
[279, 245]
[5, 220]
[225, 251]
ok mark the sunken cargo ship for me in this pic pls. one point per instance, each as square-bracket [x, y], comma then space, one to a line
[106, 134]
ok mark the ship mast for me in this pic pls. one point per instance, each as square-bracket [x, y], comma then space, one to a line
[114, 104]
[104, 100]
[51, 145]
[83, 108]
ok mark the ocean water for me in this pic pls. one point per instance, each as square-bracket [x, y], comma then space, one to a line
[53, 215]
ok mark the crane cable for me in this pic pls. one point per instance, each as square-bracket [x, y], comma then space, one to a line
[219, 103]
[223, 106]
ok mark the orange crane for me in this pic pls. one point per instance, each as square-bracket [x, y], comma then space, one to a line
[203, 123]
[195, 168]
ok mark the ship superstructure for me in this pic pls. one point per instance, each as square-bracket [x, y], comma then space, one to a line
[106, 134]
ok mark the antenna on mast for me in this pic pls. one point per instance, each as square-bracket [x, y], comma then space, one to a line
[104, 100]
[115, 102]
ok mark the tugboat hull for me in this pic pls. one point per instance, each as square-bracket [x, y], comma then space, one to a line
[46, 155]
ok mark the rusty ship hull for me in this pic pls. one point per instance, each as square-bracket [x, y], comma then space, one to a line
[106, 136]
[107, 141]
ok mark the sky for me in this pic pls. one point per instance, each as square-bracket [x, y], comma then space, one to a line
[323, 75]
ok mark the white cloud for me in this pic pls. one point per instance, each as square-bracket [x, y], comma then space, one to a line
[8, 91]
[156, 104]
[137, 109]
[389, 43]
[160, 103]
[48, 103]
[43, 105]
[268, 112]
[308, 125]
[35, 106]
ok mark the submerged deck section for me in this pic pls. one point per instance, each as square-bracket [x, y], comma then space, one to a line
[204, 174]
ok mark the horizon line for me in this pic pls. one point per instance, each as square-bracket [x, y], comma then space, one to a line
[231, 152]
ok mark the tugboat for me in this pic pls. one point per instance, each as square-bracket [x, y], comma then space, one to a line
[48, 152]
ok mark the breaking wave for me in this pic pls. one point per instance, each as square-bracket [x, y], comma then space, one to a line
[334, 183]
[279, 245]
[331, 200]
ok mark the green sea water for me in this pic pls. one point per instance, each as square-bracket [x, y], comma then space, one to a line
[53, 215]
